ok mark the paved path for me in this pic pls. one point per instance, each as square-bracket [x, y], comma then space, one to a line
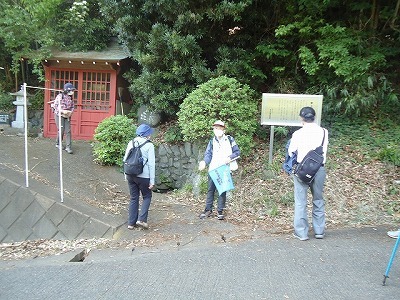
[195, 263]
[347, 264]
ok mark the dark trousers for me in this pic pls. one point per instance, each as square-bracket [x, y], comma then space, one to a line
[65, 128]
[210, 197]
[137, 186]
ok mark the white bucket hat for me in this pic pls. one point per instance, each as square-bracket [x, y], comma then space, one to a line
[219, 123]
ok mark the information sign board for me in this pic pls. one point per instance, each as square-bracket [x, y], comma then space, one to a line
[283, 109]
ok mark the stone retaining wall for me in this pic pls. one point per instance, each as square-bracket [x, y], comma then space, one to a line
[176, 165]
[26, 215]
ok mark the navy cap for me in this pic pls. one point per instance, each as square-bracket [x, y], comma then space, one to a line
[68, 87]
[144, 130]
[307, 113]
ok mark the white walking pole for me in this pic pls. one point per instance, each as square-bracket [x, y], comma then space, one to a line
[60, 152]
[26, 137]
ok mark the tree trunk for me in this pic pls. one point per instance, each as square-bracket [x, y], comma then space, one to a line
[374, 15]
[395, 14]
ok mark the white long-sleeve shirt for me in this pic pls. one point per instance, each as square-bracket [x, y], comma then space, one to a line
[308, 138]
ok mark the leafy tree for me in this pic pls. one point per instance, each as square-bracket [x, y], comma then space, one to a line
[225, 99]
[168, 64]
[29, 28]
[23, 27]
[345, 50]
[321, 51]
[176, 44]
[82, 27]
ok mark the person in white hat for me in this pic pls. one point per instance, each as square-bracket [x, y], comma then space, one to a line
[221, 149]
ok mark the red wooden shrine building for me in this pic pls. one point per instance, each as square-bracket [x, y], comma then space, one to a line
[101, 89]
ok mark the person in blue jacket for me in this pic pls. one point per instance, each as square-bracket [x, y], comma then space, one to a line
[221, 149]
[142, 183]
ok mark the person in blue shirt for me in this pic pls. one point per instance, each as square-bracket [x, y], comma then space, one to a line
[221, 149]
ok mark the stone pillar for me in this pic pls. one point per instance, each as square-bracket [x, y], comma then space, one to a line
[19, 115]
[149, 117]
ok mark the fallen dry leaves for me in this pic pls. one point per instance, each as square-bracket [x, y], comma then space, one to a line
[358, 192]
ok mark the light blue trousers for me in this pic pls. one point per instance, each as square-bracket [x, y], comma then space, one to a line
[300, 222]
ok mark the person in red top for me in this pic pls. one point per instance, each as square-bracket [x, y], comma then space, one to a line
[63, 106]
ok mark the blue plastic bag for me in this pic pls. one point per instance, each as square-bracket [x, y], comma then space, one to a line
[290, 161]
[222, 178]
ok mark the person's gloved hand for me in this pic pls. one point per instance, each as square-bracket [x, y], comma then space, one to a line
[202, 165]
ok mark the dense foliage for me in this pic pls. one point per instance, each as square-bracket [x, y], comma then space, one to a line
[6, 102]
[376, 138]
[345, 50]
[224, 99]
[111, 137]
[81, 26]
[30, 28]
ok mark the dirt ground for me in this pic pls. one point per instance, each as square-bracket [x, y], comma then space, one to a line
[173, 219]
[355, 197]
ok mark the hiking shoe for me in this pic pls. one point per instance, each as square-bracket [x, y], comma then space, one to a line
[319, 236]
[142, 224]
[205, 214]
[220, 215]
[300, 238]
[393, 234]
[69, 151]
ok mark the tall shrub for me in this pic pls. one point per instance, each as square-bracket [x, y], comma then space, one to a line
[6, 102]
[111, 137]
[220, 98]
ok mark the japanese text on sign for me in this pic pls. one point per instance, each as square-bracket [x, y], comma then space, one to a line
[283, 109]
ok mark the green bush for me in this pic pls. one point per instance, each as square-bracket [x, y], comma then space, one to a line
[391, 154]
[225, 99]
[37, 100]
[173, 134]
[111, 137]
[6, 102]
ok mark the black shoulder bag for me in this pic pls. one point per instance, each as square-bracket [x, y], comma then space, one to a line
[310, 164]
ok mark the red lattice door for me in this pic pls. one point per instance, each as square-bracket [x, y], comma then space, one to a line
[94, 100]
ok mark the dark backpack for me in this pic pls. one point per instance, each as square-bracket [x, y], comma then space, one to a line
[229, 138]
[133, 165]
[310, 164]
